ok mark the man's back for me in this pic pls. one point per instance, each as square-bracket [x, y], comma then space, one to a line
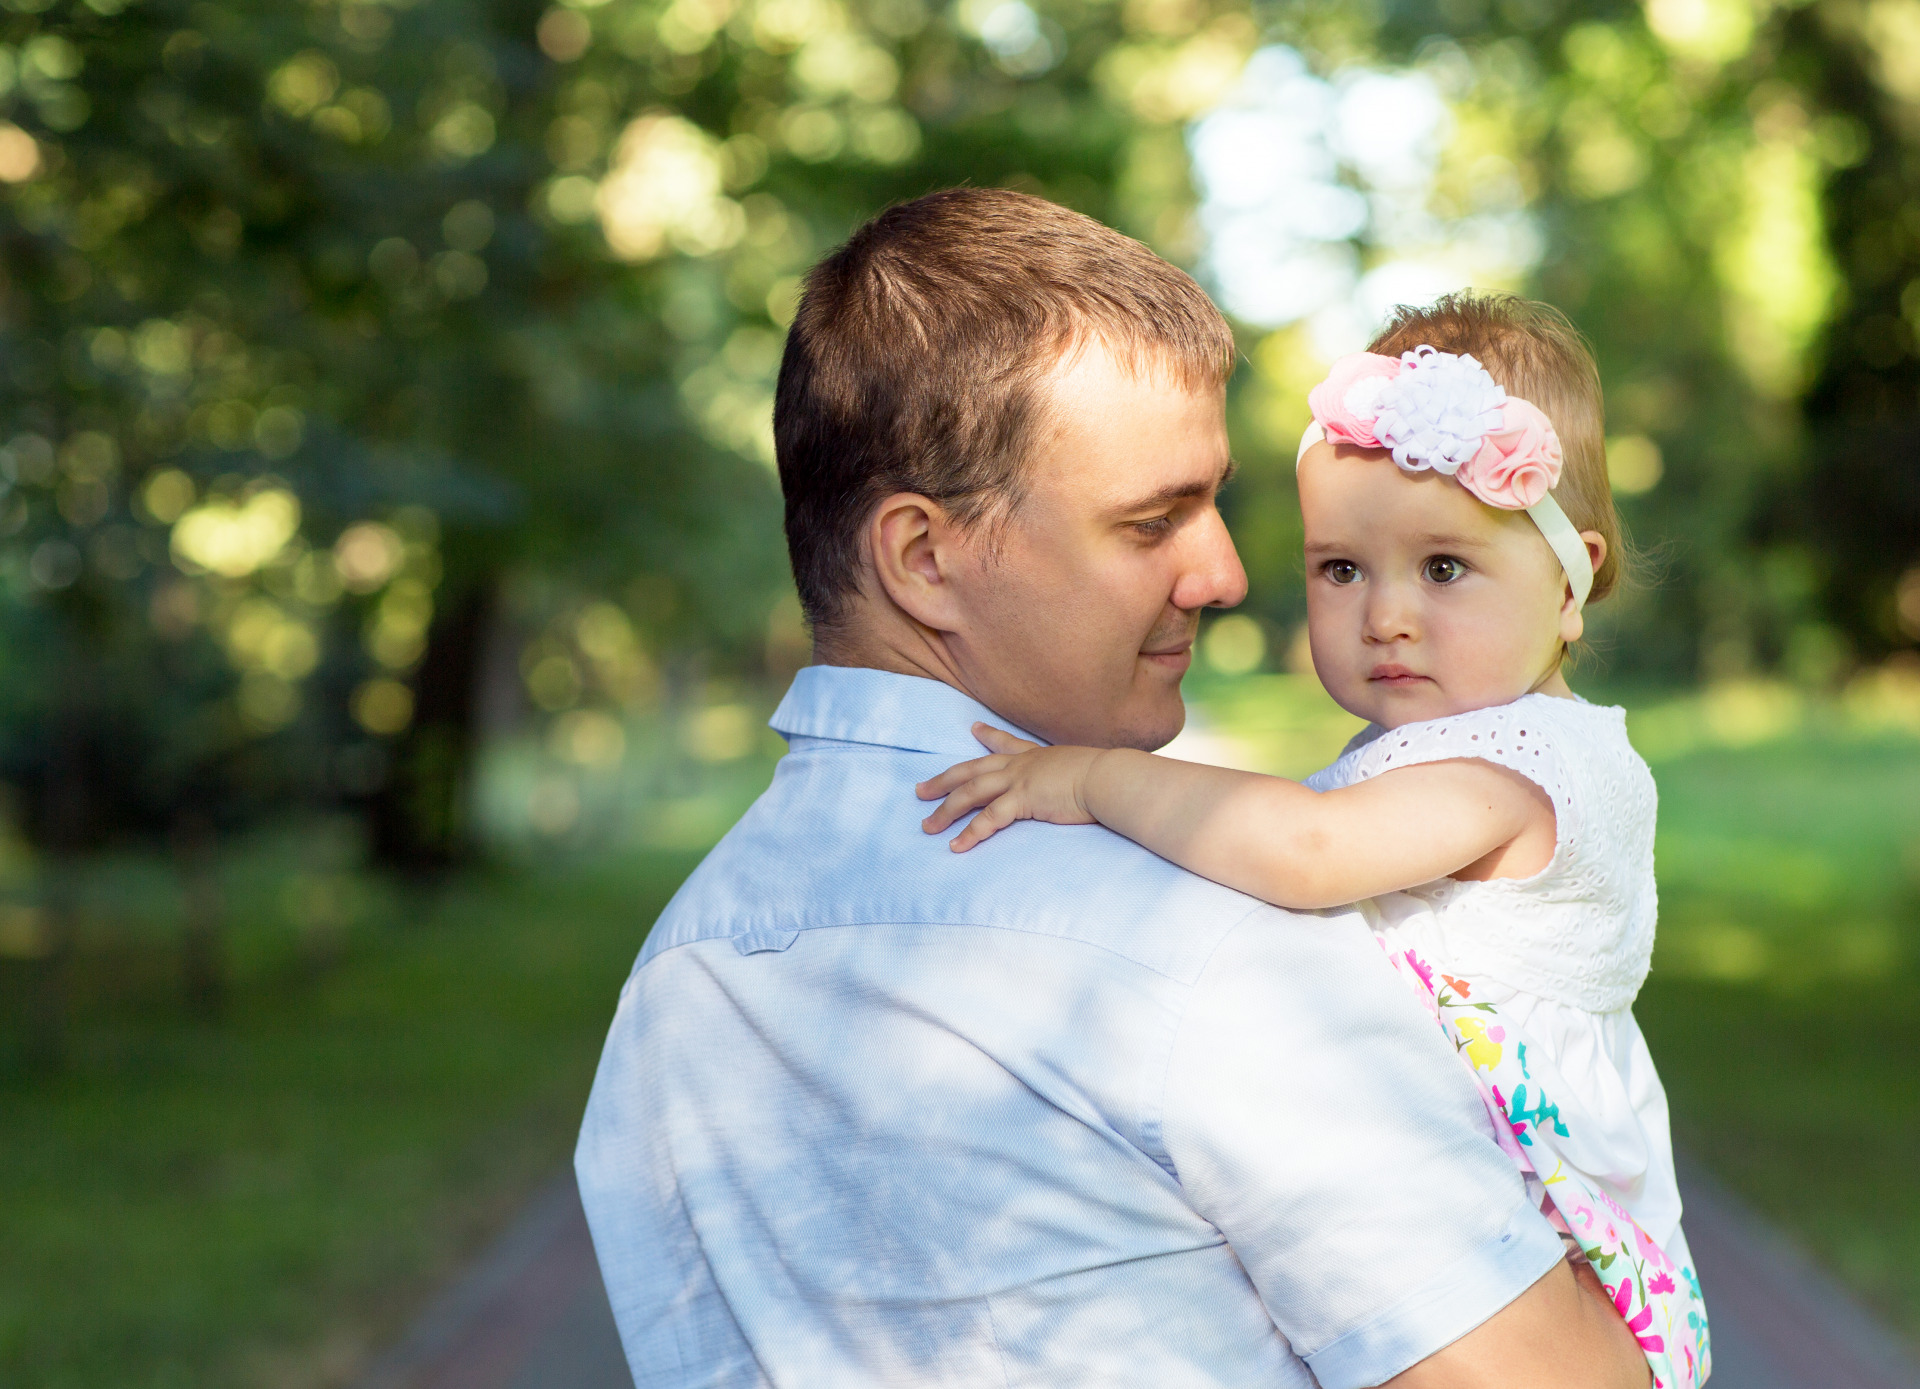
[1053, 1112]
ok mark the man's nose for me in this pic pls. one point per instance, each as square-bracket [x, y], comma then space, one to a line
[1211, 573]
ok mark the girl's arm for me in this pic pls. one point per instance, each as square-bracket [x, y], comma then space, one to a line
[1263, 835]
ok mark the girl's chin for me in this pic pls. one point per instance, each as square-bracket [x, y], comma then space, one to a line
[1391, 703]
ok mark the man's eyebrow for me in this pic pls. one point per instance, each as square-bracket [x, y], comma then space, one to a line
[1179, 492]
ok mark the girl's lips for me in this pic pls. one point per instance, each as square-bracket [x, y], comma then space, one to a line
[1395, 675]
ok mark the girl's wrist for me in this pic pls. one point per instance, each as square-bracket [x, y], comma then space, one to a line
[1105, 762]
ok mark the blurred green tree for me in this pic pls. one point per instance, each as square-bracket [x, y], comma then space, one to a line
[312, 335]
[330, 328]
[1852, 514]
[323, 323]
[1724, 195]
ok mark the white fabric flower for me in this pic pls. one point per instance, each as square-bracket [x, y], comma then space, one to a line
[1438, 410]
[1363, 397]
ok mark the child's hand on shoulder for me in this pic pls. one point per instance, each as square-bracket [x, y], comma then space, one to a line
[1020, 781]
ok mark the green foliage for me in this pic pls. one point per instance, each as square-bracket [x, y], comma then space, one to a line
[341, 339]
[1714, 184]
[326, 326]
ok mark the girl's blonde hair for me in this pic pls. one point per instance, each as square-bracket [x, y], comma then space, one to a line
[1535, 353]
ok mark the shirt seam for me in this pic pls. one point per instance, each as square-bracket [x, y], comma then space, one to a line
[1137, 963]
[827, 742]
[1153, 1122]
[999, 1351]
[1322, 1359]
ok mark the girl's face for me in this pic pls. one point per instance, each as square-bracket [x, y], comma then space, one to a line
[1421, 600]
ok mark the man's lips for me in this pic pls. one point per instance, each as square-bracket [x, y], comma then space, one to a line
[1173, 656]
[1391, 674]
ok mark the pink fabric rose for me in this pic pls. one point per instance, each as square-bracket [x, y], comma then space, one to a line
[1346, 404]
[1519, 463]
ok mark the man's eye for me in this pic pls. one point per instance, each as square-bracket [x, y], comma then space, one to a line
[1444, 569]
[1342, 571]
[1154, 528]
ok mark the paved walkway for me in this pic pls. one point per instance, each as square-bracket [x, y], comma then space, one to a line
[531, 1314]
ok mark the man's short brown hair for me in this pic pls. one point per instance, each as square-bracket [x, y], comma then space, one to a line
[1535, 353]
[918, 352]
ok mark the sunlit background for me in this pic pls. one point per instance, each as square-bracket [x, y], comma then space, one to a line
[392, 594]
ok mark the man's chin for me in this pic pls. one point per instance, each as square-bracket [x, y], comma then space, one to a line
[1156, 726]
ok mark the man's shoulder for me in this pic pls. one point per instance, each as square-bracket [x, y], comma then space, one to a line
[828, 847]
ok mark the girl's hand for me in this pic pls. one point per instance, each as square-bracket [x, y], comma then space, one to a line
[1020, 781]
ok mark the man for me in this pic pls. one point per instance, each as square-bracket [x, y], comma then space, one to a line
[1053, 1112]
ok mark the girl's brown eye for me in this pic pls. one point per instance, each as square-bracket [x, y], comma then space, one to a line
[1444, 569]
[1343, 571]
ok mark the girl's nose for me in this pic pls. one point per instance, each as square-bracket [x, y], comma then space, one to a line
[1391, 615]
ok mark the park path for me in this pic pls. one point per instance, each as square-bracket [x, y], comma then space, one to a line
[532, 1314]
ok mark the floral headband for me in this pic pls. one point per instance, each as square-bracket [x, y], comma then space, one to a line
[1441, 411]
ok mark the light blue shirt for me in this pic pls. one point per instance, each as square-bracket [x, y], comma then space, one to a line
[1053, 1112]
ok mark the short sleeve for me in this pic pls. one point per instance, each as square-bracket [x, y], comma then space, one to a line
[1337, 774]
[1522, 737]
[1316, 1116]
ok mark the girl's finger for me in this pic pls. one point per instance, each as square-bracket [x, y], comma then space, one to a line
[989, 822]
[968, 797]
[970, 791]
[934, 787]
[1000, 740]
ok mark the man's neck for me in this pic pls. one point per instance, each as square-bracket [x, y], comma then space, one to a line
[900, 647]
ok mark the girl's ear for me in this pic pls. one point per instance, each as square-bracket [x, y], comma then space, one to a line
[1596, 544]
[1573, 622]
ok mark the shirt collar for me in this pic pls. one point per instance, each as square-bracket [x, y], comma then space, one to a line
[854, 704]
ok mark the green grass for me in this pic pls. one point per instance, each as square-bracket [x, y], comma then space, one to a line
[1781, 1010]
[1806, 1103]
[263, 1199]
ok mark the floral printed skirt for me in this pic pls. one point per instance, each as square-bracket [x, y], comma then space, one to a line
[1657, 1295]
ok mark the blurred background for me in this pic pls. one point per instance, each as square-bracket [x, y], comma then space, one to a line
[392, 592]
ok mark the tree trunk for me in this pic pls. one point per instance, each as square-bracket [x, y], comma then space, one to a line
[67, 809]
[203, 956]
[418, 821]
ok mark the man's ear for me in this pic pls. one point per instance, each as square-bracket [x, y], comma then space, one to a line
[1573, 622]
[916, 550]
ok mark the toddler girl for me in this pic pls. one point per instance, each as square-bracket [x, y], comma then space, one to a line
[1496, 828]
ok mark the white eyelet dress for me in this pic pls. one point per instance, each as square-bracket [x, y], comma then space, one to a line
[1534, 980]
